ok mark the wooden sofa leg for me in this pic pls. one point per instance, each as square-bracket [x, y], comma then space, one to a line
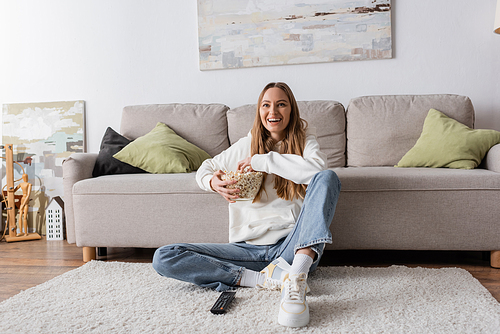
[495, 259]
[89, 254]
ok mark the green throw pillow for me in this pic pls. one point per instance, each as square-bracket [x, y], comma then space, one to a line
[444, 142]
[162, 151]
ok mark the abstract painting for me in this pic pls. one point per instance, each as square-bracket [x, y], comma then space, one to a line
[43, 134]
[249, 33]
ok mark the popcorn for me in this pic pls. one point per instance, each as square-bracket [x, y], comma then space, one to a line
[248, 183]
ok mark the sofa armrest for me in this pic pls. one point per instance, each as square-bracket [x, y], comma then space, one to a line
[492, 159]
[77, 167]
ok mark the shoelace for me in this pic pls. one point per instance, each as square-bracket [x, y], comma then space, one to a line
[295, 288]
[270, 284]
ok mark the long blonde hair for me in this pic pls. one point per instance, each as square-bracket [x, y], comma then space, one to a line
[292, 143]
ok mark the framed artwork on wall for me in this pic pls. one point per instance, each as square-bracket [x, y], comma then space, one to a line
[43, 135]
[250, 33]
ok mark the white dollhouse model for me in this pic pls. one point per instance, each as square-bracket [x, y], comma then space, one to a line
[54, 219]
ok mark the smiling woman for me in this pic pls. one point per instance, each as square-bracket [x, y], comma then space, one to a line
[283, 224]
[278, 122]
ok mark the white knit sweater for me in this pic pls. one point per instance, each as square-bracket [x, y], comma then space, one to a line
[272, 218]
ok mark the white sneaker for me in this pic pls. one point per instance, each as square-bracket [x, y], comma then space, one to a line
[275, 272]
[294, 311]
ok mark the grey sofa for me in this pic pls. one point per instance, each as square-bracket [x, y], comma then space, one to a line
[380, 207]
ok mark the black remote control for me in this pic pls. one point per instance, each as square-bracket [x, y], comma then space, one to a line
[223, 302]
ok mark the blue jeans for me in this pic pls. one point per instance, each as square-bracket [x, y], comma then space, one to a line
[220, 266]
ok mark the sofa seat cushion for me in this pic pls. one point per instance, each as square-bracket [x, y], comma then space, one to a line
[356, 179]
[178, 183]
[353, 179]
[417, 209]
[147, 210]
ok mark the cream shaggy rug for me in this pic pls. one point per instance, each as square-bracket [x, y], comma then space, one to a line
[114, 297]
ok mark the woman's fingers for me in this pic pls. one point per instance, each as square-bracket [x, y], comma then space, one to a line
[245, 164]
[219, 186]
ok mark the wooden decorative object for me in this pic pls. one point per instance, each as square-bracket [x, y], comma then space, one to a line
[54, 219]
[10, 205]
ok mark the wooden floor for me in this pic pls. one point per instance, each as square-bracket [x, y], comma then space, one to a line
[26, 264]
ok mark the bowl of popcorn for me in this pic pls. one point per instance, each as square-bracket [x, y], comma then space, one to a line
[247, 182]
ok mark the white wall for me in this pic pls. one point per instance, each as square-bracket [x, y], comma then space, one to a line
[113, 53]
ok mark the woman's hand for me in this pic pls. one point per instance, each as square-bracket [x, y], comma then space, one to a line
[244, 164]
[219, 186]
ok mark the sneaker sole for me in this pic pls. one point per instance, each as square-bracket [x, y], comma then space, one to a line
[291, 322]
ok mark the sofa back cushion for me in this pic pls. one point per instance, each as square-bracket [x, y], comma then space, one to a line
[381, 129]
[328, 117]
[204, 125]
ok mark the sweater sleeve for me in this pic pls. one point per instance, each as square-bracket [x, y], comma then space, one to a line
[205, 173]
[293, 167]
